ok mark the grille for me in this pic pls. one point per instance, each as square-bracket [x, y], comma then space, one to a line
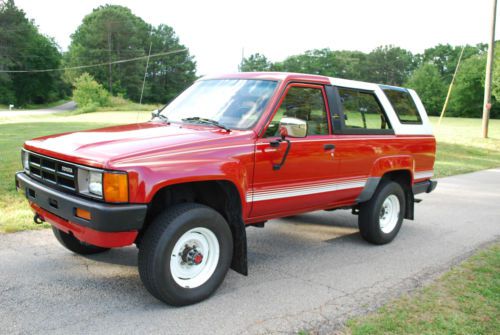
[53, 172]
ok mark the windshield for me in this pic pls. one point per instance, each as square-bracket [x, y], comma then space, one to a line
[233, 103]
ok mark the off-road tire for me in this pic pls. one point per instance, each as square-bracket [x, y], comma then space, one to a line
[157, 245]
[369, 220]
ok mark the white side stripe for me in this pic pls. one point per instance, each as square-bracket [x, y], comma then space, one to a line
[288, 192]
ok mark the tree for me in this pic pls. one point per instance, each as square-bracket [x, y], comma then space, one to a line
[427, 82]
[170, 75]
[389, 65]
[342, 64]
[112, 33]
[22, 47]
[256, 62]
[445, 57]
[108, 34]
[468, 92]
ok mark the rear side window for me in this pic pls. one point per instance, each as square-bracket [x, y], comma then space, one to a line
[362, 110]
[403, 105]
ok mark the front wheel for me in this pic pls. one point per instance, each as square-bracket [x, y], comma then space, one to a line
[185, 254]
[381, 217]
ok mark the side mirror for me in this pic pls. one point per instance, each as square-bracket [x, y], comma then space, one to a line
[155, 113]
[293, 127]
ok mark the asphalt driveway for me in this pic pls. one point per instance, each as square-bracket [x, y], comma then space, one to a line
[65, 107]
[308, 271]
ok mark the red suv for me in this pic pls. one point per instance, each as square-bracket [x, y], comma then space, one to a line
[231, 152]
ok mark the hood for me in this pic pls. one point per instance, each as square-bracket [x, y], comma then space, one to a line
[101, 146]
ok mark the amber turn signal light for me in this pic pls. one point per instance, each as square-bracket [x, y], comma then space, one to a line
[82, 213]
[115, 187]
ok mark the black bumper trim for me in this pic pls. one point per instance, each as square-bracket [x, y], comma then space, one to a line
[424, 186]
[105, 217]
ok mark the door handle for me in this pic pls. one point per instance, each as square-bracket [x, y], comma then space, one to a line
[329, 147]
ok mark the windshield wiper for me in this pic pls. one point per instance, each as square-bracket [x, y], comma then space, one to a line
[206, 121]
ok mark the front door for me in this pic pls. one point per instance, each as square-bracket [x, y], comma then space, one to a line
[307, 178]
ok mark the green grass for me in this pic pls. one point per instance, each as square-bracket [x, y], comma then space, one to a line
[460, 150]
[465, 300]
[123, 105]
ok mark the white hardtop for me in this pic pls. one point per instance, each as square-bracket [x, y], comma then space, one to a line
[425, 128]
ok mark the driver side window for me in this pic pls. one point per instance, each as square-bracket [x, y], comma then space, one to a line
[304, 103]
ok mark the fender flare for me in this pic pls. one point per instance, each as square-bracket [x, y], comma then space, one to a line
[380, 169]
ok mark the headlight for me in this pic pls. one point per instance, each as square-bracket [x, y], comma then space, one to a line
[25, 160]
[95, 183]
[90, 182]
[110, 186]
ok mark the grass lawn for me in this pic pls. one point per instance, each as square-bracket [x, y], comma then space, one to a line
[465, 300]
[460, 150]
[461, 147]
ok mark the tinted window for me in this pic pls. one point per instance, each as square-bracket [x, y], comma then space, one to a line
[362, 110]
[403, 105]
[302, 103]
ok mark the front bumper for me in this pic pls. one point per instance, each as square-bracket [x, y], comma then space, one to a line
[109, 226]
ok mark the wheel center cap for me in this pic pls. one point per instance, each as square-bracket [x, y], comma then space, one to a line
[191, 256]
[198, 258]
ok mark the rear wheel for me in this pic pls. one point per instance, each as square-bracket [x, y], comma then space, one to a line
[185, 254]
[381, 217]
[72, 243]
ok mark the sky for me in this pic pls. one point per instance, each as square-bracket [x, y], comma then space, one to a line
[219, 32]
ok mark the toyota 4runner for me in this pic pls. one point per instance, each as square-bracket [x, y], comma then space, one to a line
[231, 152]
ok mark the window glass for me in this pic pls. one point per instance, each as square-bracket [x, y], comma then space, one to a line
[403, 105]
[303, 103]
[362, 110]
[234, 103]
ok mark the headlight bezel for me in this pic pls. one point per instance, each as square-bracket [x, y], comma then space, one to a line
[106, 179]
[84, 176]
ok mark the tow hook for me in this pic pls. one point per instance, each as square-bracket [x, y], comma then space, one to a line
[38, 219]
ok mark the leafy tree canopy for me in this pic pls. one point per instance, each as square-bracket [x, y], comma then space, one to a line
[427, 81]
[255, 62]
[22, 47]
[428, 73]
[111, 33]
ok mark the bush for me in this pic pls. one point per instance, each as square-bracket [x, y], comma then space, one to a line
[88, 108]
[88, 92]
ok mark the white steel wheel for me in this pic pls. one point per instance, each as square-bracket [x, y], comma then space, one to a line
[194, 257]
[389, 214]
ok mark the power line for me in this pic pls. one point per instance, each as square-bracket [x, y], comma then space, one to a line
[96, 65]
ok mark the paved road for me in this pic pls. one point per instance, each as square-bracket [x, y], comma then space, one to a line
[68, 106]
[309, 271]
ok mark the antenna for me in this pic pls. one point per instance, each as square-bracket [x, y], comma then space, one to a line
[147, 64]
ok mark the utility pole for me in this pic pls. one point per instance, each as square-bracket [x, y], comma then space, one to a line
[489, 72]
